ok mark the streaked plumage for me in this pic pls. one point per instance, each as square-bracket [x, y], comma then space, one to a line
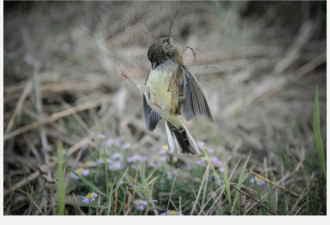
[170, 92]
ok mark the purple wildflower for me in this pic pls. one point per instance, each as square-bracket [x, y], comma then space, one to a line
[201, 144]
[114, 165]
[140, 204]
[101, 136]
[125, 146]
[188, 167]
[117, 142]
[117, 156]
[201, 163]
[81, 172]
[108, 142]
[169, 175]
[257, 180]
[90, 197]
[163, 150]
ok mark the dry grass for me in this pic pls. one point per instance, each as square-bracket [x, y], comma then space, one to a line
[63, 75]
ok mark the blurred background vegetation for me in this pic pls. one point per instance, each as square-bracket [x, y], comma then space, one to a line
[65, 93]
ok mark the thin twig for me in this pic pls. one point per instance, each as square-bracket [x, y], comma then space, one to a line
[127, 202]
[305, 33]
[43, 136]
[115, 200]
[124, 74]
[152, 202]
[30, 178]
[168, 203]
[38, 172]
[254, 199]
[303, 194]
[35, 204]
[77, 204]
[19, 106]
[274, 184]
[200, 189]
[56, 116]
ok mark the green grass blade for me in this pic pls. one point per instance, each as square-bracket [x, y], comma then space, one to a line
[239, 185]
[60, 175]
[317, 132]
[227, 184]
[106, 172]
[215, 173]
[92, 186]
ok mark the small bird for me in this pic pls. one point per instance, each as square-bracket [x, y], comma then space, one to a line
[171, 92]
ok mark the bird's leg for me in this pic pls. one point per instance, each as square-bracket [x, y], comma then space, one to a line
[156, 104]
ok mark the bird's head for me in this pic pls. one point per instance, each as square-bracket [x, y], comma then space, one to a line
[163, 49]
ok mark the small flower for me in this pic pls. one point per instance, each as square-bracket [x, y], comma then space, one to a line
[217, 179]
[133, 166]
[201, 163]
[108, 142]
[140, 204]
[201, 144]
[114, 165]
[99, 161]
[101, 136]
[163, 150]
[117, 142]
[257, 180]
[154, 164]
[117, 156]
[188, 167]
[125, 146]
[171, 213]
[169, 175]
[143, 158]
[210, 150]
[137, 158]
[131, 159]
[214, 160]
[81, 172]
[214, 195]
[217, 163]
[90, 197]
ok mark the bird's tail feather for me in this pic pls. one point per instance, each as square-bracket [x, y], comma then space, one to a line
[181, 139]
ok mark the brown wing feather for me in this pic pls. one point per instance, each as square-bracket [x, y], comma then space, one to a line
[195, 102]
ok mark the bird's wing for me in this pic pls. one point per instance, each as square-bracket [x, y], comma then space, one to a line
[151, 116]
[194, 102]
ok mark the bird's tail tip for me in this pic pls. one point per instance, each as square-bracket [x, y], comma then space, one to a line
[181, 140]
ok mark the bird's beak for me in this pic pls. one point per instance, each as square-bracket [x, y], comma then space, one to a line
[153, 65]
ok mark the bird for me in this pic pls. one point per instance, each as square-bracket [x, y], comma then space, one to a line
[173, 94]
